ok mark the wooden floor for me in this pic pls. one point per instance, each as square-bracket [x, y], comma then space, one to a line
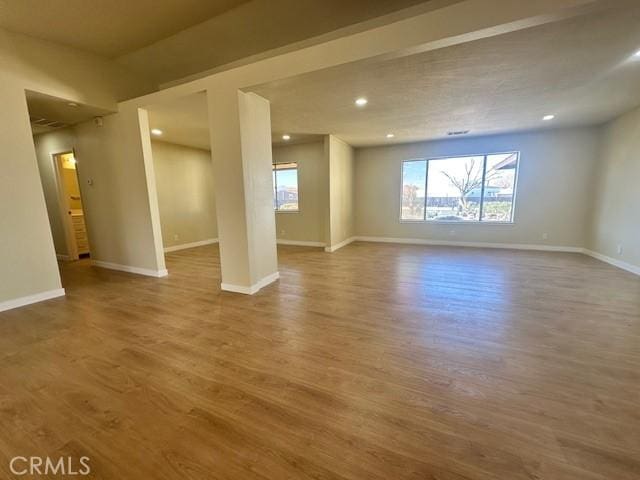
[374, 362]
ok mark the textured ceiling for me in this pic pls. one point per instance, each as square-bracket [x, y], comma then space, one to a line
[582, 70]
[110, 28]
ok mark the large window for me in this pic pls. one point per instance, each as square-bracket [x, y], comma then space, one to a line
[479, 188]
[285, 187]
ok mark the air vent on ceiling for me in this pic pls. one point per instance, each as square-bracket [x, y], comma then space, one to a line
[43, 122]
[457, 132]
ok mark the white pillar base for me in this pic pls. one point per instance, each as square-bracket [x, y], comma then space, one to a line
[269, 279]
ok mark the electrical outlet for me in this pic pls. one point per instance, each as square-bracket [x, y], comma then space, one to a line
[283, 232]
[619, 249]
[545, 236]
[452, 233]
[176, 237]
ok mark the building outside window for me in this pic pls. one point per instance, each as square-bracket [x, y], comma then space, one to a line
[285, 187]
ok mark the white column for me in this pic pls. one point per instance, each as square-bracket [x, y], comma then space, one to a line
[240, 129]
[340, 221]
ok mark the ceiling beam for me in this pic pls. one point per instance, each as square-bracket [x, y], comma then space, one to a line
[445, 24]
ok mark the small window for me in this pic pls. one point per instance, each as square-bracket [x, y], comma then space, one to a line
[285, 187]
[478, 188]
[414, 181]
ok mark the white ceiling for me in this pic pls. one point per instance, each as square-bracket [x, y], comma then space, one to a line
[254, 27]
[170, 39]
[50, 113]
[107, 27]
[183, 121]
[580, 69]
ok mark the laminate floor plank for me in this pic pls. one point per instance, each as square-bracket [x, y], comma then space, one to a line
[374, 362]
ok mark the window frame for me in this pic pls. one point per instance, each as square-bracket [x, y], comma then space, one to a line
[275, 169]
[484, 173]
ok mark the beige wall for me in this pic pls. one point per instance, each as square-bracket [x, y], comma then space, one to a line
[341, 190]
[115, 167]
[184, 183]
[68, 73]
[48, 144]
[553, 192]
[308, 224]
[326, 179]
[27, 256]
[616, 200]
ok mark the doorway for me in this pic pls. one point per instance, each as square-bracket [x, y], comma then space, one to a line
[71, 208]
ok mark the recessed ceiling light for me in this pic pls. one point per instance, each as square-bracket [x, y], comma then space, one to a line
[637, 54]
[361, 102]
[156, 131]
[546, 118]
[390, 135]
[286, 137]
[72, 104]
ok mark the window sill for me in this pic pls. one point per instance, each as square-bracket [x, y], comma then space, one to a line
[458, 222]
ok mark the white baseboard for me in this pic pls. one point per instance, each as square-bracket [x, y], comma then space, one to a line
[127, 268]
[300, 243]
[63, 258]
[629, 267]
[333, 248]
[184, 246]
[448, 243]
[29, 299]
[228, 287]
